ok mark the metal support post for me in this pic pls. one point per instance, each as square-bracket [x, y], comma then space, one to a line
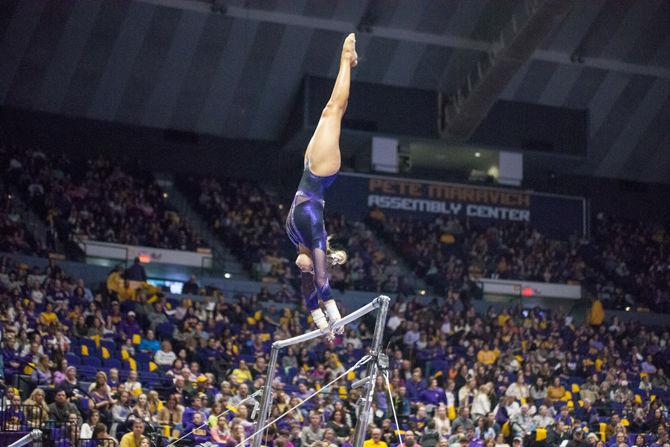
[373, 368]
[266, 400]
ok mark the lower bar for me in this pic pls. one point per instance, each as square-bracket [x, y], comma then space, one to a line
[27, 439]
[355, 315]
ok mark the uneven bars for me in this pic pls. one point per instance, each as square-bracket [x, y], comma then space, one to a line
[355, 315]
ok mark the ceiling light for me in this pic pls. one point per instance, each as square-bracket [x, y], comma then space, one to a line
[478, 154]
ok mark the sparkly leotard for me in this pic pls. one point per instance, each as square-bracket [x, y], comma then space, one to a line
[305, 226]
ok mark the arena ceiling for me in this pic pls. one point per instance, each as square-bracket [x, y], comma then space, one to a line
[177, 64]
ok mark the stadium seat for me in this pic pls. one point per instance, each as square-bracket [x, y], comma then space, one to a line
[91, 361]
[73, 359]
[112, 363]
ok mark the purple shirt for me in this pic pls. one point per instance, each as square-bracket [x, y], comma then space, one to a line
[433, 396]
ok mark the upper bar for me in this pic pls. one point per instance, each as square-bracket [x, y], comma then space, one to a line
[355, 315]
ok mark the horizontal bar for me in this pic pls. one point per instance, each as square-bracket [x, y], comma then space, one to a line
[32, 436]
[355, 315]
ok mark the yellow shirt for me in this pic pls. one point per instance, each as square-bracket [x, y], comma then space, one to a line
[486, 357]
[129, 440]
[502, 319]
[555, 392]
[241, 376]
[597, 313]
[372, 443]
[114, 282]
[48, 318]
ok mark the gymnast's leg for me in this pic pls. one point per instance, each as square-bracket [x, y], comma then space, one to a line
[309, 291]
[315, 285]
[323, 290]
[323, 150]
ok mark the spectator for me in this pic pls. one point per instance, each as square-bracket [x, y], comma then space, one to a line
[538, 391]
[133, 385]
[313, 432]
[86, 430]
[136, 272]
[133, 438]
[522, 422]
[518, 390]
[41, 374]
[338, 423]
[149, 344]
[141, 409]
[120, 411]
[442, 422]
[36, 409]
[463, 420]
[61, 408]
[171, 416]
[13, 416]
[129, 326]
[165, 357]
[189, 412]
[191, 286]
[101, 393]
[72, 428]
[556, 390]
[100, 434]
[409, 440]
[481, 406]
[375, 440]
[199, 431]
[542, 419]
[220, 432]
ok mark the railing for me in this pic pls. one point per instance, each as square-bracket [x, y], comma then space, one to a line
[22, 417]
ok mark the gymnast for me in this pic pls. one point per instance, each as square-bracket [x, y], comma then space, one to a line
[305, 224]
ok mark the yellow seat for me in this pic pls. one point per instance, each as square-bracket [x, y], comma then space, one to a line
[451, 412]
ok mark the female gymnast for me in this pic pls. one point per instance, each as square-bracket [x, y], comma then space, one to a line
[305, 224]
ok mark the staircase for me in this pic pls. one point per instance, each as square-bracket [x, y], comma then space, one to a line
[405, 270]
[31, 220]
[224, 260]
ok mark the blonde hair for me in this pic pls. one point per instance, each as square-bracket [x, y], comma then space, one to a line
[335, 256]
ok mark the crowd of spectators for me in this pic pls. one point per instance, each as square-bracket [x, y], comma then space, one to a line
[630, 263]
[446, 251]
[626, 265]
[97, 199]
[251, 223]
[108, 366]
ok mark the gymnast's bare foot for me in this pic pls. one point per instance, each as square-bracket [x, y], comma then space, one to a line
[349, 50]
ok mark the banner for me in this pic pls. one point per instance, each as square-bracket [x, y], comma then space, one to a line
[554, 215]
[147, 255]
